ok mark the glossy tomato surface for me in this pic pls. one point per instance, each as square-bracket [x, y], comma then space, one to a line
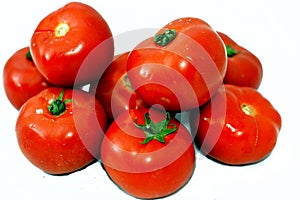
[243, 67]
[66, 141]
[21, 79]
[72, 45]
[114, 89]
[147, 170]
[246, 134]
[180, 67]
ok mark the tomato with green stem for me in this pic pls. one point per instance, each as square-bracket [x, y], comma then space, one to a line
[60, 130]
[72, 45]
[243, 67]
[21, 78]
[180, 67]
[246, 134]
[142, 151]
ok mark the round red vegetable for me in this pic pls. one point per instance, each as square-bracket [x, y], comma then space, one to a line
[148, 153]
[180, 67]
[21, 79]
[243, 67]
[72, 45]
[114, 89]
[246, 134]
[60, 130]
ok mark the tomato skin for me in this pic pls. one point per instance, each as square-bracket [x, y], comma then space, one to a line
[21, 79]
[79, 54]
[61, 144]
[249, 130]
[244, 68]
[147, 170]
[114, 90]
[183, 74]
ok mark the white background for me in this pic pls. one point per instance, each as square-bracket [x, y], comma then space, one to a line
[270, 29]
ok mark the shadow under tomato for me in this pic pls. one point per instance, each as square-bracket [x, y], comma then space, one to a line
[198, 150]
[72, 172]
[162, 197]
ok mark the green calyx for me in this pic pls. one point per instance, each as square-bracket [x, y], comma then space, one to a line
[156, 131]
[231, 51]
[28, 56]
[58, 106]
[165, 38]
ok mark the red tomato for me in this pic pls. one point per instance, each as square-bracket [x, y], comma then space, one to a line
[243, 67]
[180, 67]
[72, 45]
[114, 89]
[246, 134]
[21, 79]
[61, 132]
[147, 154]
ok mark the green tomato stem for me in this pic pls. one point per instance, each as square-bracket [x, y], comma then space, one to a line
[231, 51]
[156, 131]
[58, 106]
[28, 56]
[165, 38]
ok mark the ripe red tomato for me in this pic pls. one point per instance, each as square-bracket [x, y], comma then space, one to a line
[247, 132]
[180, 67]
[60, 131]
[147, 154]
[243, 67]
[21, 79]
[114, 89]
[72, 45]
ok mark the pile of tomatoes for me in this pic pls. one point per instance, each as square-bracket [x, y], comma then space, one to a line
[79, 103]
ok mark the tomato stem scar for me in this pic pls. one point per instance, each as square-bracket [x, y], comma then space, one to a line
[248, 110]
[156, 131]
[61, 29]
[58, 106]
[165, 38]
